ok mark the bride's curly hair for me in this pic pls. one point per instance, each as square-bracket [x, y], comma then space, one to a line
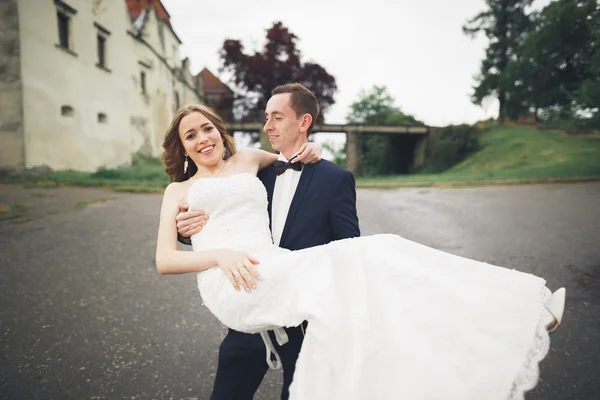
[173, 155]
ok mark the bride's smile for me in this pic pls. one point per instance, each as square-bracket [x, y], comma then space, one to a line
[201, 141]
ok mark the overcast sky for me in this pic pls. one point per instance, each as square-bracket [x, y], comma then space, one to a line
[415, 48]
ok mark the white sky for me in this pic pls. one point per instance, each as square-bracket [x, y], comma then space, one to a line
[415, 48]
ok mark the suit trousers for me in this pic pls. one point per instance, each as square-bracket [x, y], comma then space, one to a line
[242, 363]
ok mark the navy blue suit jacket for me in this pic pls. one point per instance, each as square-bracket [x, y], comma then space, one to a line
[323, 208]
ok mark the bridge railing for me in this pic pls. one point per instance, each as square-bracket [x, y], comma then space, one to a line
[344, 128]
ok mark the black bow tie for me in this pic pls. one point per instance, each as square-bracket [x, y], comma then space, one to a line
[282, 166]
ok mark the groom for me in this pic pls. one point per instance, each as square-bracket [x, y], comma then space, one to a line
[309, 205]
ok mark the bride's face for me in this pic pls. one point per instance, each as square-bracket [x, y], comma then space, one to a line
[201, 140]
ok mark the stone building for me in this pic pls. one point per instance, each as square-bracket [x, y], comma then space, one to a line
[86, 83]
[217, 95]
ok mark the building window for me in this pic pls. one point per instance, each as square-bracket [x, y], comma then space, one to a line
[63, 30]
[101, 51]
[64, 15]
[102, 118]
[145, 66]
[101, 40]
[66, 111]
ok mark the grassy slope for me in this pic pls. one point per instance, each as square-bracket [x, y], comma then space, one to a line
[518, 153]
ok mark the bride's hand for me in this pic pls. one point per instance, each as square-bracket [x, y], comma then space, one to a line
[239, 268]
[309, 153]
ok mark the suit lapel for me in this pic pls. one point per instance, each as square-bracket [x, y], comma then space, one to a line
[303, 185]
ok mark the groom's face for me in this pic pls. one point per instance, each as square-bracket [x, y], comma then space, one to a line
[283, 126]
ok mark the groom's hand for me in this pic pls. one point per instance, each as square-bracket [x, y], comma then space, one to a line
[190, 222]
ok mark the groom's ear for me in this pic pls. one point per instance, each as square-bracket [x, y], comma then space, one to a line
[305, 123]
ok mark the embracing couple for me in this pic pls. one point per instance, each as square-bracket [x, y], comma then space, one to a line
[281, 264]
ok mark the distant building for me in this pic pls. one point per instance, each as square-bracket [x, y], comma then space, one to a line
[217, 94]
[86, 83]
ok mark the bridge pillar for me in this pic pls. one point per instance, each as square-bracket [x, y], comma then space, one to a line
[419, 153]
[354, 156]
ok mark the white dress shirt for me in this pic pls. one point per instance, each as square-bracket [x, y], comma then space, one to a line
[283, 193]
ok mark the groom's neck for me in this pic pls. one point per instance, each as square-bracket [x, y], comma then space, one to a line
[289, 152]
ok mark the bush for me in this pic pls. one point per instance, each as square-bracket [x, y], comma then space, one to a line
[388, 154]
[454, 144]
[139, 159]
[106, 173]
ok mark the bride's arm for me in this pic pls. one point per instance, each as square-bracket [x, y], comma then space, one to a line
[309, 153]
[170, 260]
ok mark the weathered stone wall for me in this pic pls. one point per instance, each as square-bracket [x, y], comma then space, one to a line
[75, 112]
[12, 153]
[155, 53]
[60, 108]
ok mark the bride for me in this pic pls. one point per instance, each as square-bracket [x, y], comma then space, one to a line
[388, 318]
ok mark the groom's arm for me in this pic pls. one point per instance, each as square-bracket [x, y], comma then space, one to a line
[343, 215]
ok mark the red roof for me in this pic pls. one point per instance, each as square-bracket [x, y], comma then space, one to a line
[212, 84]
[137, 6]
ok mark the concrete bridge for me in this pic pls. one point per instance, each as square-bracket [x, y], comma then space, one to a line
[416, 139]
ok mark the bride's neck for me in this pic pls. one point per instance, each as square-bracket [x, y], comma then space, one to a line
[206, 171]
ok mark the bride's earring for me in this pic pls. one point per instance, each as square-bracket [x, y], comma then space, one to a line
[185, 165]
[224, 152]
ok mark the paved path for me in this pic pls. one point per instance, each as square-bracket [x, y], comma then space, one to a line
[85, 315]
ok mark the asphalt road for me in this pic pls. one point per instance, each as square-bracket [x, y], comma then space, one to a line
[85, 315]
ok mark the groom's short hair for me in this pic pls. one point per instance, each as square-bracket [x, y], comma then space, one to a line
[302, 101]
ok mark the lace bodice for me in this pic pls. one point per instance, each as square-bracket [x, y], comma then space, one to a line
[237, 207]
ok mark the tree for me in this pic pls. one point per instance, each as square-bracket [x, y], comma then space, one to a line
[255, 75]
[505, 23]
[587, 96]
[558, 71]
[383, 154]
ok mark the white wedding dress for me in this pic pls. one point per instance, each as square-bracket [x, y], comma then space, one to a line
[387, 318]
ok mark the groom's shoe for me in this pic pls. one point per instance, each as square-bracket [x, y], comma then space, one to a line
[556, 306]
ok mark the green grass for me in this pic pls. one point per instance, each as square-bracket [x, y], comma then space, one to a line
[145, 175]
[514, 154]
[10, 211]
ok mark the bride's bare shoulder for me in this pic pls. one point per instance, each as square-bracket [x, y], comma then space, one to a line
[242, 155]
[244, 160]
[176, 189]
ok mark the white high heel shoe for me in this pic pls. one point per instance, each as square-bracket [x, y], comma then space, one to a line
[556, 306]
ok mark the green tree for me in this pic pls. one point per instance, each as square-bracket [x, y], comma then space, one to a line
[339, 154]
[382, 154]
[505, 23]
[588, 94]
[556, 76]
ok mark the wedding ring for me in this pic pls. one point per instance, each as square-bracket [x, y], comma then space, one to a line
[236, 273]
